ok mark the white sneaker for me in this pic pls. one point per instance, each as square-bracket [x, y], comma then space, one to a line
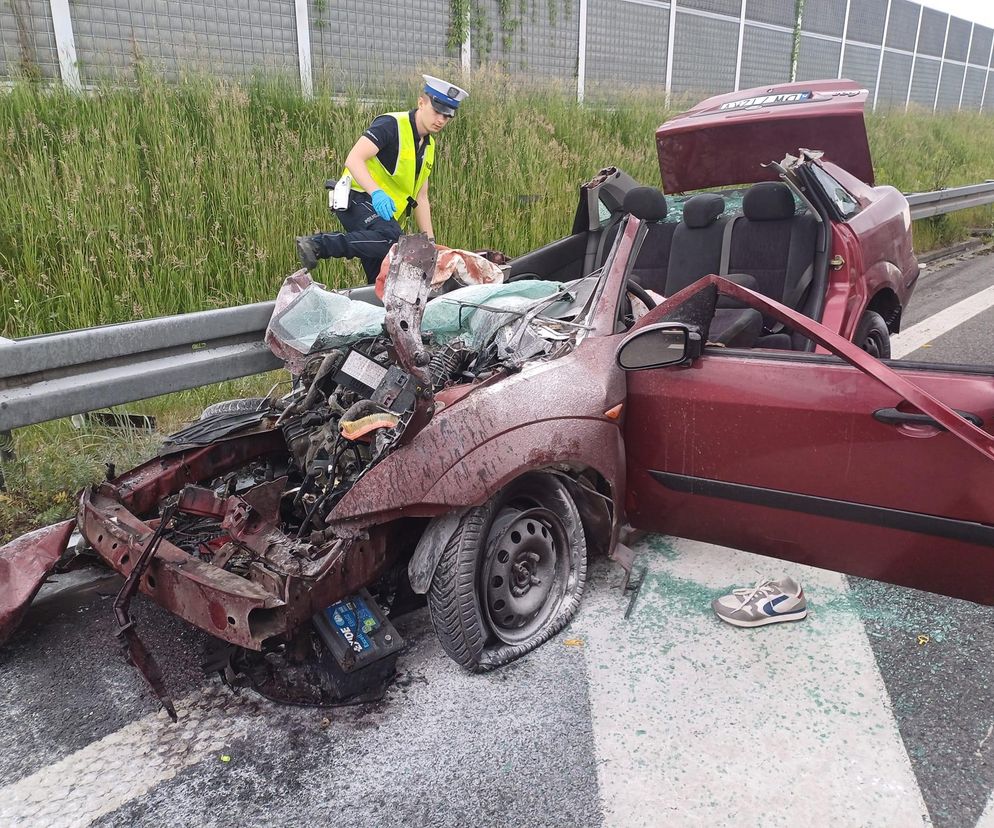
[769, 602]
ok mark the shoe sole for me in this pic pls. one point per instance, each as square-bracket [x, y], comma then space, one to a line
[307, 260]
[760, 622]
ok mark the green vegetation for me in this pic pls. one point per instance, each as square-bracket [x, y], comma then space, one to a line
[165, 198]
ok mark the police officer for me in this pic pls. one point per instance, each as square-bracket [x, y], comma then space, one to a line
[389, 166]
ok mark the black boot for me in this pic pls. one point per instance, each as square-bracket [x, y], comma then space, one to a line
[307, 252]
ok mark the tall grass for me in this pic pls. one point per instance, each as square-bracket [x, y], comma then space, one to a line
[167, 198]
[164, 198]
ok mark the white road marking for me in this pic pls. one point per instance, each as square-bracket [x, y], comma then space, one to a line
[110, 772]
[697, 722]
[916, 336]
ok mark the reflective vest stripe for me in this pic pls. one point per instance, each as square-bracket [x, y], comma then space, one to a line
[400, 183]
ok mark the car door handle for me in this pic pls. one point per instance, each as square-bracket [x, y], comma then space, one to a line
[892, 416]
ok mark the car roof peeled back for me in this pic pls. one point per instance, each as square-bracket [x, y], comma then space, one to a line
[726, 140]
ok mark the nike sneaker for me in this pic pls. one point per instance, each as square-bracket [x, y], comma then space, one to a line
[769, 602]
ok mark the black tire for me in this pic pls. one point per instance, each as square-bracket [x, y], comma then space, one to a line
[872, 335]
[531, 533]
[233, 407]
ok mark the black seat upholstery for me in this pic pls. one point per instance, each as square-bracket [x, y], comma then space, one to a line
[696, 252]
[696, 249]
[773, 244]
[646, 203]
[652, 265]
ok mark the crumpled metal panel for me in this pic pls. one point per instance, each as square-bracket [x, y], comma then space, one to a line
[25, 563]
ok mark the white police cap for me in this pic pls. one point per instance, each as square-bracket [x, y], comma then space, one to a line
[444, 96]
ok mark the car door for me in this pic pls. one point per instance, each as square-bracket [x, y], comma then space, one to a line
[810, 458]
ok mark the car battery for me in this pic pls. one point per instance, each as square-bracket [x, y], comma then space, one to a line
[361, 645]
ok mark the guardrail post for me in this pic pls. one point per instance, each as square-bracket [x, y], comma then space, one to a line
[6, 455]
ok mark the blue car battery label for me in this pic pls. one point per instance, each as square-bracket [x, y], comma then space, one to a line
[354, 622]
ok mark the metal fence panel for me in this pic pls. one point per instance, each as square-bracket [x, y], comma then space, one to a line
[973, 89]
[903, 26]
[731, 8]
[765, 56]
[354, 45]
[958, 45]
[826, 17]
[626, 45]
[860, 64]
[893, 91]
[230, 40]
[27, 40]
[933, 33]
[980, 49]
[924, 83]
[818, 58]
[537, 39]
[704, 53]
[950, 86]
[363, 47]
[776, 12]
[866, 20]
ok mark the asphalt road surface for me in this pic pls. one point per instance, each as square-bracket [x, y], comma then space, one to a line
[877, 710]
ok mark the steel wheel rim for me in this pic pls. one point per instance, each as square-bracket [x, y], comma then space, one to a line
[524, 573]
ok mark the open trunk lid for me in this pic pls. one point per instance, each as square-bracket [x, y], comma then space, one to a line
[726, 139]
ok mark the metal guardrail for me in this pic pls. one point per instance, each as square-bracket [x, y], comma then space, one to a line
[940, 202]
[56, 375]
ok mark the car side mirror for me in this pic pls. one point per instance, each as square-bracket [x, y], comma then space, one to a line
[659, 345]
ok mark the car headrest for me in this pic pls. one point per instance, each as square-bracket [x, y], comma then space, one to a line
[768, 201]
[701, 210]
[646, 203]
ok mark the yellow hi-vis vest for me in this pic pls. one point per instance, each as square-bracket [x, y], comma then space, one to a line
[400, 183]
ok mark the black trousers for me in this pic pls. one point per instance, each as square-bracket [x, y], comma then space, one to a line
[367, 237]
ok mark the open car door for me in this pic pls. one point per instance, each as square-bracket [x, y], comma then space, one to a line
[835, 460]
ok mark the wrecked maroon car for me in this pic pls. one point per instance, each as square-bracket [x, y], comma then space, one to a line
[478, 447]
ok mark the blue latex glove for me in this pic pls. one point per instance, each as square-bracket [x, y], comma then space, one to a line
[383, 205]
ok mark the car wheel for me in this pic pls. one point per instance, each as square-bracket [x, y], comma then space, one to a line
[233, 406]
[512, 574]
[872, 335]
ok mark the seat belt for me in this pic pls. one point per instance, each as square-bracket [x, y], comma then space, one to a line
[802, 285]
[726, 245]
[602, 241]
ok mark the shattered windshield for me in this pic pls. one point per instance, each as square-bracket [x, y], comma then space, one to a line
[516, 320]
